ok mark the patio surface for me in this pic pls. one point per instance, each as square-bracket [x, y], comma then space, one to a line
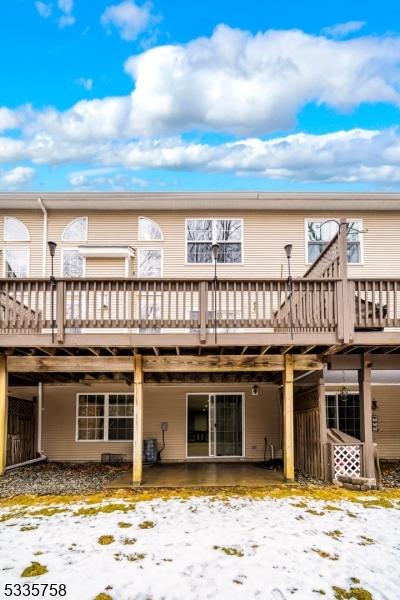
[200, 474]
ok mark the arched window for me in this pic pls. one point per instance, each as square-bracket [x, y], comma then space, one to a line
[15, 230]
[76, 231]
[149, 231]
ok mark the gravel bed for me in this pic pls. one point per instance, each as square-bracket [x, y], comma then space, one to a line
[390, 473]
[58, 478]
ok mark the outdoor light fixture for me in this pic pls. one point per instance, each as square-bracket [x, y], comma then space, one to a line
[344, 391]
[254, 390]
[215, 254]
[288, 250]
[52, 250]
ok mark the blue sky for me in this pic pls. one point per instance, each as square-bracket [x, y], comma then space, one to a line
[171, 95]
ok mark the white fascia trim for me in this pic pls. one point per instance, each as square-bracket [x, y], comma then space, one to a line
[106, 251]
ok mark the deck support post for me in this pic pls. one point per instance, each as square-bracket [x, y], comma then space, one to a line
[288, 426]
[364, 382]
[137, 420]
[3, 413]
[323, 430]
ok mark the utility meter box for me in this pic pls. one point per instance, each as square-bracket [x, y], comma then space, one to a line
[164, 426]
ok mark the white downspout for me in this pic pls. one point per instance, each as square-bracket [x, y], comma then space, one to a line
[45, 229]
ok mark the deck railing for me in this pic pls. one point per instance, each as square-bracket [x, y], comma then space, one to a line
[160, 305]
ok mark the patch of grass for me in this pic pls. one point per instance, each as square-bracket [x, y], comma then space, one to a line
[105, 540]
[29, 527]
[354, 580]
[300, 504]
[331, 507]
[146, 525]
[230, 550]
[366, 541]
[124, 525]
[351, 514]
[135, 557]
[106, 508]
[324, 554]
[335, 534]
[354, 592]
[35, 569]
[312, 511]
[377, 502]
[320, 592]
[129, 541]
[103, 596]
[38, 553]
[48, 512]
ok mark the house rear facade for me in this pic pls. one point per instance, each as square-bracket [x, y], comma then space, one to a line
[134, 330]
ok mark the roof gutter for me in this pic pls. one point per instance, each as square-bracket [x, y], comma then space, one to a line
[45, 230]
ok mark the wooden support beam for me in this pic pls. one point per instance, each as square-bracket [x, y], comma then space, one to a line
[265, 349]
[137, 420]
[159, 364]
[353, 362]
[323, 430]
[364, 383]
[3, 413]
[288, 416]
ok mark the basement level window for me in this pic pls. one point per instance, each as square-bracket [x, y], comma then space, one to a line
[104, 417]
[343, 413]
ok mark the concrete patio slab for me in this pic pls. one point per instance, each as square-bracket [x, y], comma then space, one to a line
[197, 475]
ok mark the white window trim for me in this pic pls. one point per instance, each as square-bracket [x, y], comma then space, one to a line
[6, 239]
[62, 260]
[321, 220]
[139, 250]
[71, 223]
[28, 259]
[140, 239]
[105, 417]
[206, 218]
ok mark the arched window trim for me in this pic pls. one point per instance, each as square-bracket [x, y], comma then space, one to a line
[7, 239]
[141, 239]
[69, 225]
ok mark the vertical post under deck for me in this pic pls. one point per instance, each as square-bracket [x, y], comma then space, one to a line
[3, 412]
[323, 430]
[288, 428]
[364, 382]
[137, 420]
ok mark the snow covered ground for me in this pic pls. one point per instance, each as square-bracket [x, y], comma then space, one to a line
[206, 547]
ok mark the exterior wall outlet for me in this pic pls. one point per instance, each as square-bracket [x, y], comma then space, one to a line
[164, 426]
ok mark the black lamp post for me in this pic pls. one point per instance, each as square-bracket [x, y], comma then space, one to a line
[215, 254]
[52, 249]
[288, 250]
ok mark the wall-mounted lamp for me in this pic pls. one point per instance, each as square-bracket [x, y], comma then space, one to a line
[254, 390]
[374, 405]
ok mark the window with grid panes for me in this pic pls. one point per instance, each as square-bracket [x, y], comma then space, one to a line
[321, 232]
[201, 234]
[343, 413]
[106, 417]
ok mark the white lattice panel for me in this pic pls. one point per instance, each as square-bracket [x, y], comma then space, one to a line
[347, 460]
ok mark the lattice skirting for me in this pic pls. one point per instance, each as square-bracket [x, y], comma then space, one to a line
[347, 460]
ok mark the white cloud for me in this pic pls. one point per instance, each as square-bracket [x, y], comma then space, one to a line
[129, 18]
[357, 155]
[341, 30]
[105, 178]
[66, 7]
[8, 119]
[16, 178]
[87, 84]
[43, 9]
[247, 84]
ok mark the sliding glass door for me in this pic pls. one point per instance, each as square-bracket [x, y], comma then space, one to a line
[215, 425]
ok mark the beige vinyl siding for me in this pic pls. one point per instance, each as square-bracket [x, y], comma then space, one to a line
[388, 412]
[105, 267]
[264, 235]
[161, 403]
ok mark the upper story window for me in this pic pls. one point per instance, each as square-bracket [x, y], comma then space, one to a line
[76, 231]
[201, 234]
[150, 262]
[320, 233]
[72, 263]
[149, 231]
[15, 230]
[16, 262]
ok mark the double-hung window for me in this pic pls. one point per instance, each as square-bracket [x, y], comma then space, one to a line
[319, 234]
[104, 417]
[201, 234]
[150, 262]
[73, 264]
